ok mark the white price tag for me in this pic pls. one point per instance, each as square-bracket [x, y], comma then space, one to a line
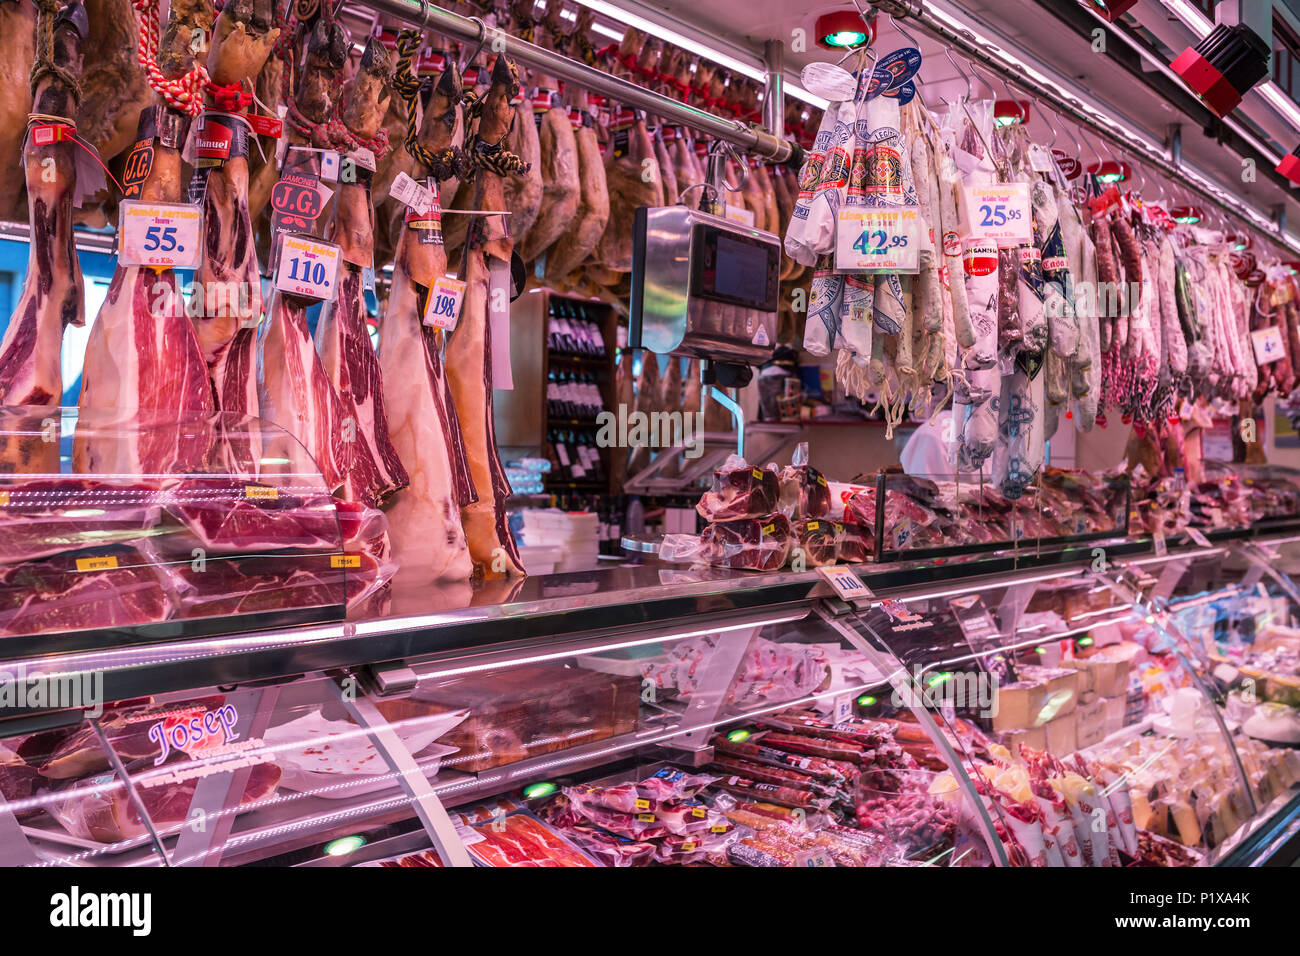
[329, 165]
[308, 267]
[1161, 546]
[443, 310]
[846, 584]
[999, 212]
[1040, 160]
[741, 215]
[878, 240]
[160, 234]
[843, 709]
[1198, 537]
[410, 193]
[1268, 345]
[363, 157]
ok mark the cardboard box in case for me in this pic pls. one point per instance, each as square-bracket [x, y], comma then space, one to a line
[1090, 722]
[1062, 735]
[1034, 737]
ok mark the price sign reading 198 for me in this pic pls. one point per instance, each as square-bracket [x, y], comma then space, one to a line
[999, 212]
[878, 239]
[308, 267]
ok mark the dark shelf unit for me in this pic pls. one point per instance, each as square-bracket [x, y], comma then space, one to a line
[603, 369]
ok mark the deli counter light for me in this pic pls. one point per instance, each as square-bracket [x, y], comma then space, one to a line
[345, 845]
[543, 788]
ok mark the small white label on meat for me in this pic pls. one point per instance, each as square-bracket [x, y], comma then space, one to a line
[760, 337]
[363, 158]
[159, 234]
[443, 310]
[308, 267]
[1040, 160]
[329, 165]
[999, 212]
[410, 193]
[1268, 345]
[869, 239]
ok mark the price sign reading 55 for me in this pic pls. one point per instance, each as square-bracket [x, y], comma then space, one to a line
[878, 240]
[999, 212]
[165, 235]
[308, 267]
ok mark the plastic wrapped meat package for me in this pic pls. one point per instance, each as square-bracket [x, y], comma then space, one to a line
[770, 672]
[804, 491]
[740, 491]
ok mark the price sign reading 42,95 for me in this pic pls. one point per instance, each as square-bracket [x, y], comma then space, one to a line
[874, 239]
[308, 267]
[1000, 212]
[161, 234]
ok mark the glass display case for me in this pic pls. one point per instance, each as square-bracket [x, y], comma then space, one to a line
[1072, 709]
[115, 530]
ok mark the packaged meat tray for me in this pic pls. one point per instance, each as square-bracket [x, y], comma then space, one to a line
[740, 491]
[522, 840]
[523, 712]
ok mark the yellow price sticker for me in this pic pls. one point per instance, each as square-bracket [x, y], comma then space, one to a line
[105, 563]
[646, 817]
[642, 804]
[718, 829]
[768, 528]
[4, 498]
[345, 560]
[687, 847]
[758, 474]
[698, 812]
[260, 491]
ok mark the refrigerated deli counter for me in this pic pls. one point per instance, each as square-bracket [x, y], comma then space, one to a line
[1093, 705]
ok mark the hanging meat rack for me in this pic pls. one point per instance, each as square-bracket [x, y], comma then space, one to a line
[764, 143]
[940, 28]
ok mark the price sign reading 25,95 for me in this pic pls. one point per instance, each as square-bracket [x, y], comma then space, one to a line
[870, 239]
[308, 267]
[999, 212]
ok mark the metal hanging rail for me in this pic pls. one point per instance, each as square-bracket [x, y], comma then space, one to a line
[916, 12]
[426, 16]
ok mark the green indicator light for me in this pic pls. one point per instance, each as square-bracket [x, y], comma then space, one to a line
[866, 700]
[345, 845]
[845, 38]
[1084, 641]
[736, 736]
[938, 679]
[535, 791]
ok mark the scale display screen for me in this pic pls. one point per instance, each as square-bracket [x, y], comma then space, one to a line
[734, 268]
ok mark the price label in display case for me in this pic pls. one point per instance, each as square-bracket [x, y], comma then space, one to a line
[878, 240]
[999, 212]
[160, 234]
[848, 586]
[308, 267]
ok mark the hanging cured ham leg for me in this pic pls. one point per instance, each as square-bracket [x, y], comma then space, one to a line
[469, 355]
[374, 470]
[228, 277]
[51, 300]
[143, 362]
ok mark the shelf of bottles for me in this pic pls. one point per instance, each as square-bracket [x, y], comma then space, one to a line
[579, 385]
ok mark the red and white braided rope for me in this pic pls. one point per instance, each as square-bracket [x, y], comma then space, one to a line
[184, 93]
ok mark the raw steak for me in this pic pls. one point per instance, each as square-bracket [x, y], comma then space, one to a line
[469, 354]
[754, 544]
[52, 596]
[36, 523]
[740, 491]
[110, 817]
[374, 470]
[592, 216]
[30, 370]
[224, 516]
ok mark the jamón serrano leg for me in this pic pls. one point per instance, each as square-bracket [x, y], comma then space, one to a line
[143, 362]
[228, 276]
[469, 354]
[30, 372]
[374, 470]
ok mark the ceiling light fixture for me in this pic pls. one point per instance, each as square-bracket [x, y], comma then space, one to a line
[1223, 66]
[1110, 171]
[1009, 112]
[843, 28]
